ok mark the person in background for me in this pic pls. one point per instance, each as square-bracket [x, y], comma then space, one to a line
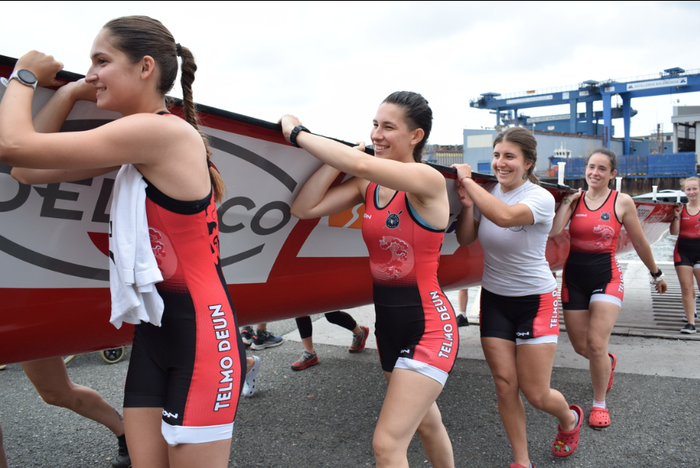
[519, 321]
[406, 214]
[592, 284]
[686, 254]
[260, 338]
[183, 383]
[51, 381]
[250, 385]
[462, 299]
[308, 356]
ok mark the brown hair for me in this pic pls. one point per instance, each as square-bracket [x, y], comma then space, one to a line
[138, 36]
[417, 114]
[528, 145]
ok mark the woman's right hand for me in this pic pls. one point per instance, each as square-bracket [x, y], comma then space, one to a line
[463, 171]
[44, 67]
[677, 209]
[288, 122]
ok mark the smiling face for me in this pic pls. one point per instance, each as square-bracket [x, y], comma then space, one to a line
[691, 189]
[112, 74]
[509, 165]
[391, 136]
[598, 171]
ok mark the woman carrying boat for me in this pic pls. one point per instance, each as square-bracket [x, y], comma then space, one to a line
[592, 284]
[406, 213]
[183, 382]
[686, 255]
[519, 320]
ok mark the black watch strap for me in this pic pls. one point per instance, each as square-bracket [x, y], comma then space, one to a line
[657, 274]
[295, 132]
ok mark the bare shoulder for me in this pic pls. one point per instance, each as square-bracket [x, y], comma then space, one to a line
[624, 206]
[154, 126]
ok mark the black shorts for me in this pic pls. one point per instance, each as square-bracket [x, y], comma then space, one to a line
[179, 368]
[519, 318]
[687, 252]
[588, 274]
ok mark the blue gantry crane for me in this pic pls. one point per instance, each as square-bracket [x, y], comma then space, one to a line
[671, 81]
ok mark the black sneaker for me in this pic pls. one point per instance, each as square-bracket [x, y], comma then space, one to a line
[122, 460]
[264, 339]
[689, 328]
[462, 321]
[247, 335]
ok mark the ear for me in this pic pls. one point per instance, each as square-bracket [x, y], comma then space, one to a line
[148, 66]
[417, 136]
[614, 173]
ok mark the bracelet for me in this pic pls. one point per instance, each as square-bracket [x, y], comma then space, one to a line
[656, 279]
[295, 132]
[465, 177]
[566, 200]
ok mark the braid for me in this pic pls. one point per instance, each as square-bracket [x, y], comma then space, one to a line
[187, 69]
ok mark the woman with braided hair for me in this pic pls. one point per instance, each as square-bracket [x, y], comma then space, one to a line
[187, 364]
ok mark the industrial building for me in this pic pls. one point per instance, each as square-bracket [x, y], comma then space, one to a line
[657, 159]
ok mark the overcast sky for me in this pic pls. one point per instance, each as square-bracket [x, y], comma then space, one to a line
[332, 63]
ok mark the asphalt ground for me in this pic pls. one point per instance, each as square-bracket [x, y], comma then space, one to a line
[325, 415]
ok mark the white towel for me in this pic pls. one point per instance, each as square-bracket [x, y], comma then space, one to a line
[133, 270]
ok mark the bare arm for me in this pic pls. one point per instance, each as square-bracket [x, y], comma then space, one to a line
[317, 198]
[627, 210]
[50, 119]
[564, 213]
[420, 181]
[492, 208]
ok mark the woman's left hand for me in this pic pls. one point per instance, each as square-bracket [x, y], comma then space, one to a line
[288, 123]
[44, 67]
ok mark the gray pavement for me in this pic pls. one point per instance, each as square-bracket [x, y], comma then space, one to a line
[324, 416]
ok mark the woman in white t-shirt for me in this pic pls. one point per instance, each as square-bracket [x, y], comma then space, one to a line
[519, 320]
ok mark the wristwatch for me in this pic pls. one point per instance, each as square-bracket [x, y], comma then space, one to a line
[25, 77]
[657, 274]
[295, 132]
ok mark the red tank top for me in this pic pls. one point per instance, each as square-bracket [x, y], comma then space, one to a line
[595, 231]
[690, 225]
[404, 251]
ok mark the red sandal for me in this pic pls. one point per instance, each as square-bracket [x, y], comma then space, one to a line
[599, 418]
[518, 465]
[567, 441]
[613, 363]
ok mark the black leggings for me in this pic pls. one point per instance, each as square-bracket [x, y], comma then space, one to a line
[338, 317]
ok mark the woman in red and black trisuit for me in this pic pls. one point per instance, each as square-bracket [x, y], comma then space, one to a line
[406, 213]
[592, 286]
[686, 255]
[183, 383]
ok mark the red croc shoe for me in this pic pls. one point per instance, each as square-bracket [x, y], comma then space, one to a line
[599, 418]
[613, 363]
[567, 441]
[518, 465]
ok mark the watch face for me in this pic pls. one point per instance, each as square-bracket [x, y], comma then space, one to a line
[26, 76]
